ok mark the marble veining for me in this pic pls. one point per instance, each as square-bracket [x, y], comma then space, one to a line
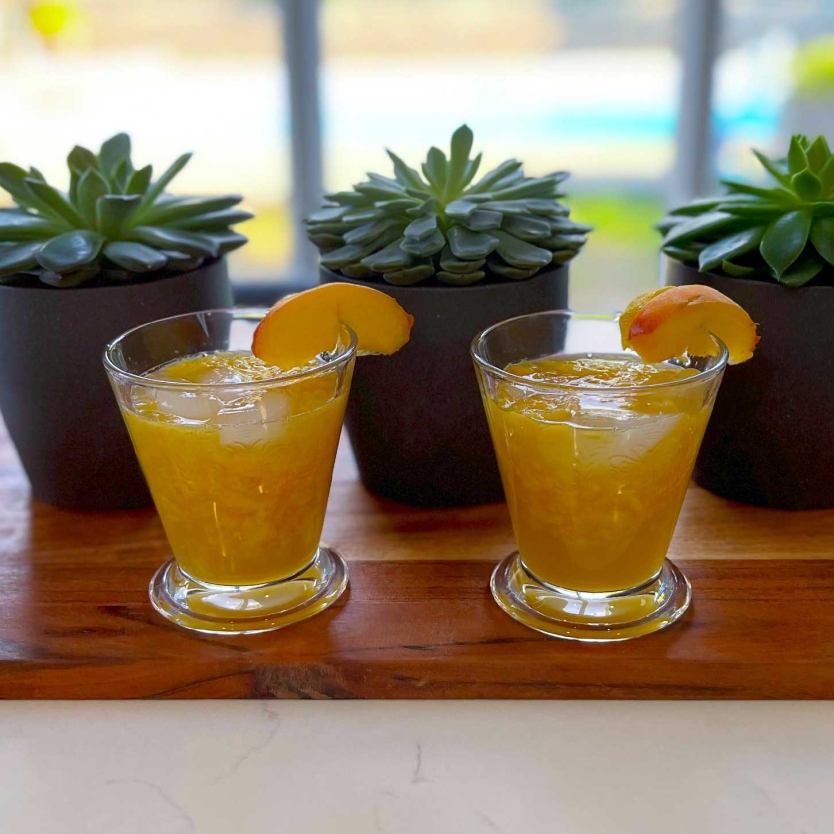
[391, 767]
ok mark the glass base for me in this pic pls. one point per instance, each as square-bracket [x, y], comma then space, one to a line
[590, 617]
[222, 609]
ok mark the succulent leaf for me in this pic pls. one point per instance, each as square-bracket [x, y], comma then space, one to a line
[80, 159]
[92, 185]
[180, 262]
[818, 154]
[399, 204]
[326, 242]
[469, 172]
[421, 227]
[695, 207]
[806, 268]
[822, 237]
[694, 227]
[182, 208]
[17, 225]
[225, 241]
[482, 220]
[379, 192]
[53, 201]
[826, 175]
[179, 240]
[139, 180]
[14, 259]
[363, 215]
[66, 280]
[389, 259]
[729, 247]
[134, 257]
[407, 176]
[358, 271]
[513, 272]
[429, 245]
[512, 167]
[784, 240]
[807, 185]
[780, 196]
[450, 263]
[13, 180]
[461, 147]
[70, 251]
[526, 227]
[468, 245]
[773, 168]
[412, 275]
[344, 255]
[368, 231]
[113, 152]
[460, 209]
[460, 279]
[797, 159]
[213, 220]
[738, 271]
[519, 253]
[113, 211]
[327, 214]
[434, 169]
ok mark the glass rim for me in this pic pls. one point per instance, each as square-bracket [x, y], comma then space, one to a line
[487, 367]
[235, 312]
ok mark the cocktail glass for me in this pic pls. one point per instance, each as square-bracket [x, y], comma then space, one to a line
[594, 479]
[240, 474]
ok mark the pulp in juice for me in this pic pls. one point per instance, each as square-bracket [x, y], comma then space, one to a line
[240, 475]
[595, 469]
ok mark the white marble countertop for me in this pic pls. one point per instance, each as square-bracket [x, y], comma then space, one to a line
[416, 768]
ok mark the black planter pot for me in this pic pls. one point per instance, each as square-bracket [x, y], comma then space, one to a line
[54, 394]
[415, 419]
[769, 441]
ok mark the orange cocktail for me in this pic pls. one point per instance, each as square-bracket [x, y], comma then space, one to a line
[595, 450]
[238, 455]
[594, 483]
[240, 475]
[235, 417]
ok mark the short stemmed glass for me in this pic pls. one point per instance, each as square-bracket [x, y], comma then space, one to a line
[594, 490]
[239, 471]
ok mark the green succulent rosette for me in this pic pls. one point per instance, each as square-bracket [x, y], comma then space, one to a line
[115, 225]
[783, 233]
[438, 227]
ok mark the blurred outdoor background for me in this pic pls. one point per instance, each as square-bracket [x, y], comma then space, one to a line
[592, 86]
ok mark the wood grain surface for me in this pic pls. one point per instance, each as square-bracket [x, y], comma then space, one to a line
[418, 620]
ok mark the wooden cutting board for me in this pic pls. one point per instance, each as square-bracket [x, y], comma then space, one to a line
[418, 620]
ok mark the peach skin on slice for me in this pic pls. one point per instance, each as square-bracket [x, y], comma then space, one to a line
[671, 321]
[301, 326]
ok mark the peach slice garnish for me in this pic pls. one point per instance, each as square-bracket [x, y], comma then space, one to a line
[671, 321]
[301, 326]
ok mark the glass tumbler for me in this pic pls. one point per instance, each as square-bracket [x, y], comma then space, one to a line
[594, 479]
[240, 473]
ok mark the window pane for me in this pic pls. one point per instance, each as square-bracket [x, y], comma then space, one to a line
[775, 77]
[587, 86]
[192, 75]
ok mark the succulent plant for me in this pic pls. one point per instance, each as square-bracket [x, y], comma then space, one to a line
[785, 232]
[116, 225]
[438, 226]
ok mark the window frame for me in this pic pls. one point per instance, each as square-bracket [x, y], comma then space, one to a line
[699, 29]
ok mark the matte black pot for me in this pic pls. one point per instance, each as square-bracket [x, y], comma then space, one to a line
[415, 419]
[769, 441]
[54, 394]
